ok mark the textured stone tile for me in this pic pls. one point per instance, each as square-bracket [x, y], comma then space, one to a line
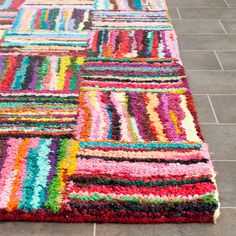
[204, 111]
[221, 140]
[226, 178]
[197, 26]
[208, 13]
[232, 3]
[45, 229]
[212, 82]
[230, 26]
[173, 13]
[198, 3]
[228, 60]
[207, 42]
[225, 226]
[199, 60]
[225, 108]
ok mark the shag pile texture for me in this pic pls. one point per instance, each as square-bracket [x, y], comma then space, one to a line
[97, 123]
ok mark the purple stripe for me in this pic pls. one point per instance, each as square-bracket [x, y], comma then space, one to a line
[163, 111]
[138, 111]
[174, 104]
[34, 77]
[1, 63]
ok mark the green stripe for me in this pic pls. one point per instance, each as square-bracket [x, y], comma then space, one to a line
[35, 105]
[139, 145]
[208, 198]
[128, 60]
[55, 193]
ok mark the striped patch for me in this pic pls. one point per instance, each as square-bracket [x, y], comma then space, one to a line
[24, 114]
[128, 20]
[119, 44]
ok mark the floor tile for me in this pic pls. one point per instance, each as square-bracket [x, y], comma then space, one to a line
[45, 229]
[226, 178]
[207, 42]
[221, 140]
[199, 60]
[232, 3]
[173, 13]
[204, 111]
[212, 82]
[228, 60]
[208, 13]
[225, 108]
[197, 26]
[230, 26]
[199, 3]
[225, 226]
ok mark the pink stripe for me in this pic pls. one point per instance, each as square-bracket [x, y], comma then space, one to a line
[132, 85]
[8, 174]
[168, 191]
[141, 169]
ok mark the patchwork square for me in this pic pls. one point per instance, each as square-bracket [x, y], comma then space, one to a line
[118, 44]
[40, 73]
[157, 20]
[135, 117]
[49, 28]
[29, 114]
[127, 5]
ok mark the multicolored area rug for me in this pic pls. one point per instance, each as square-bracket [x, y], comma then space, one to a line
[97, 120]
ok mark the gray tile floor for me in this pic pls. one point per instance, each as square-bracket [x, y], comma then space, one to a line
[207, 36]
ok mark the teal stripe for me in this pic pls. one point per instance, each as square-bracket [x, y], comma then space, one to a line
[137, 89]
[20, 74]
[17, 21]
[148, 27]
[34, 185]
[43, 33]
[28, 184]
[40, 185]
[128, 13]
[6, 4]
[121, 68]
[140, 145]
[50, 43]
[137, 4]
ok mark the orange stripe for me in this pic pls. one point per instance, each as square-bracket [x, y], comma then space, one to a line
[19, 165]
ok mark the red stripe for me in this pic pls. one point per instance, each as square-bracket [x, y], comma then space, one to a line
[9, 76]
[108, 217]
[169, 191]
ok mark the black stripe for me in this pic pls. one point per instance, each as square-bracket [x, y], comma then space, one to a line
[127, 206]
[121, 159]
[132, 81]
[139, 183]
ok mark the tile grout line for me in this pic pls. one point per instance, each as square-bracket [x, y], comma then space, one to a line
[177, 9]
[227, 3]
[202, 19]
[94, 229]
[207, 50]
[218, 59]
[217, 124]
[209, 99]
[212, 70]
[223, 160]
[223, 27]
[197, 7]
[207, 34]
[228, 207]
[214, 94]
